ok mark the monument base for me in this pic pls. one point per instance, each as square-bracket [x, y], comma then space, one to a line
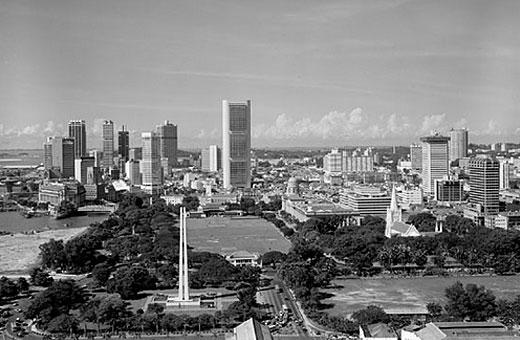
[176, 302]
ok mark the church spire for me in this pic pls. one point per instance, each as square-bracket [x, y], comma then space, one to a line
[393, 203]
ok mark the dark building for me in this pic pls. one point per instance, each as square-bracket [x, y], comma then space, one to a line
[78, 131]
[484, 180]
[123, 139]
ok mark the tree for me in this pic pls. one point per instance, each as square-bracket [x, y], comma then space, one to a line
[40, 277]
[101, 273]
[53, 254]
[128, 281]
[509, 311]
[191, 202]
[475, 303]
[8, 288]
[63, 323]
[371, 314]
[434, 309]
[59, 298]
[273, 257]
[112, 309]
[22, 284]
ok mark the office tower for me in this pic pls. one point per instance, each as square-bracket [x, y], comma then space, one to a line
[506, 169]
[236, 144]
[123, 144]
[210, 158]
[416, 157]
[77, 130]
[357, 162]
[458, 144]
[98, 157]
[47, 154]
[167, 135]
[136, 154]
[108, 143]
[63, 155]
[80, 168]
[484, 181]
[132, 171]
[434, 161]
[93, 175]
[449, 190]
[151, 163]
[332, 162]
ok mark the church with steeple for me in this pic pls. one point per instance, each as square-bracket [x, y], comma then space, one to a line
[394, 221]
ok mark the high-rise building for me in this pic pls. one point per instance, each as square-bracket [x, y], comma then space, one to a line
[236, 144]
[332, 162]
[80, 168]
[136, 154]
[132, 172]
[210, 159]
[167, 135]
[98, 157]
[78, 131]
[484, 181]
[449, 190]
[47, 154]
[63, 155]
[434, 161]
[108, 143]
[416, 157]
[506, 169]
[123, 144]
[458, 144]
[152, 177]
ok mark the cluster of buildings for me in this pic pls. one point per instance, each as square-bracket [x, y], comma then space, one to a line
[68, 162]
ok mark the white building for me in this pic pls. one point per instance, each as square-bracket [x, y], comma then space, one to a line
[458, 144]
[152, 178]
[80, 168]
[132, 171]
[434, 161]
[244, 258]
[211, 159]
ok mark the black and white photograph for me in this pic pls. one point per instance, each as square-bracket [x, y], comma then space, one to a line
[256, 170]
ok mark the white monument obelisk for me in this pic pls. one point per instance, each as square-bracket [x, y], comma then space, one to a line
[184, 293]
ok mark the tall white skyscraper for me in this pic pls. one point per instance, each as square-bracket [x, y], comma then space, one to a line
[434, 161]
[458, 144]
[108, 143]
[167, 134]
[152, 178]
[236, 144]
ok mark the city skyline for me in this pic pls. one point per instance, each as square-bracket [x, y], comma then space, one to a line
[384, 72]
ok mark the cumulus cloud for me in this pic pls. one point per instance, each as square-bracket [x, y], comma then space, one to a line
[432, 122]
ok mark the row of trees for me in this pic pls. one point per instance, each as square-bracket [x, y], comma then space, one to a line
[10, 288]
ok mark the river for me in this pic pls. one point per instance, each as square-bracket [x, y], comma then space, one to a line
[14, 222]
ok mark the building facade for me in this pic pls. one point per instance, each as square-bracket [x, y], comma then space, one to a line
[167, 134]
[434, 161]
[458, 144]
[123, 144]
[416, 157]
[108, 144]
[210, 159]
[236, 144]
[80, 168]
[62, 155]
[449, 190]
[78, 131]
[484, 181]
[152, 178]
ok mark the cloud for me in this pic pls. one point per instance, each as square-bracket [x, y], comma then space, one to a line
[432, 122]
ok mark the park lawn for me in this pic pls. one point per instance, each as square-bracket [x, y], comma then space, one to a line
[225, 235]
[396, 295]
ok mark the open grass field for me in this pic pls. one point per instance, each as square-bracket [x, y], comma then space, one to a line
[225, 235]
[408, 294]
[20, 251]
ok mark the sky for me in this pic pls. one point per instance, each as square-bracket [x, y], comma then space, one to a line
[318, 73]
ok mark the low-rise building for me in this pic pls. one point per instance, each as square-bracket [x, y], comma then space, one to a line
[244, 258]
[508, 220]
[366, 200]
[377, 331]
[303, 209]
[56, 192]
[459, 331]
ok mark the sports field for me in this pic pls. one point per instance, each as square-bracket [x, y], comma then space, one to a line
[412, 294]
[225, 235]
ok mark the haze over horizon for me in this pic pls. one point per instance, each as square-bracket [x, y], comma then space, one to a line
[318, 73]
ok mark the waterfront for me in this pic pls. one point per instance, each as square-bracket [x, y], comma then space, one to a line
[20, 250]
[14, 222]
